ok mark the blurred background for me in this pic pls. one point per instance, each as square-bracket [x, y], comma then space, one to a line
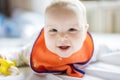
[22, 18]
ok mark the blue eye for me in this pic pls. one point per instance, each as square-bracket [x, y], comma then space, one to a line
[53, 30]
[72, 29]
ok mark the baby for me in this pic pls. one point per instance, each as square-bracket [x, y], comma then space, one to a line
[64, 40]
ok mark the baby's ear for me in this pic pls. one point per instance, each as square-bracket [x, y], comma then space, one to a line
[86, 26]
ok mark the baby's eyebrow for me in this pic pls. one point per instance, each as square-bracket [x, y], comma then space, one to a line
[49, 25]
[75, 25]
[53, 25]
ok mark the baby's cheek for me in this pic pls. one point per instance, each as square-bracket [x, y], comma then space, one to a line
[51, 39]
[76, 36]
[77, 39]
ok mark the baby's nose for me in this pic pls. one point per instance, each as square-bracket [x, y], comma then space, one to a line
[63, 37]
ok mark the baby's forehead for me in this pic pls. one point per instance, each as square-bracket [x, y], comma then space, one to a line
[57, 14]
[63, 11]
[64, 8]
[64, 17]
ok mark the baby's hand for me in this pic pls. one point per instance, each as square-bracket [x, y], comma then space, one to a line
[13, 70]
[2, 56]
[8, 67]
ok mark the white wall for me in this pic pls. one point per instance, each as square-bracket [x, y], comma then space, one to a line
[104, 16]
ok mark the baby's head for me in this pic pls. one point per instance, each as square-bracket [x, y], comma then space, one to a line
[65, 27]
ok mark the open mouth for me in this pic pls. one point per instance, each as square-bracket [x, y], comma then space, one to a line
[63, 47]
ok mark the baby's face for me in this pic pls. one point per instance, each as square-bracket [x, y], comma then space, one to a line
[63, 33]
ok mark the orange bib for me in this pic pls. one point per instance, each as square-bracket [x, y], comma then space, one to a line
[44, 61]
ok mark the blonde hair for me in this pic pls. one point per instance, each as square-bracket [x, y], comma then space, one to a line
[74, 5]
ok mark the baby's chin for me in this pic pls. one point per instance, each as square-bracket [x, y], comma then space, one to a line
[63, 51]
[64, 54]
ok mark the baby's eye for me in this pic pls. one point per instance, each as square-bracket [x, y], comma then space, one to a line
[53, 30]
[72, 30]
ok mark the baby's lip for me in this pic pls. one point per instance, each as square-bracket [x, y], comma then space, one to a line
[63, 47]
